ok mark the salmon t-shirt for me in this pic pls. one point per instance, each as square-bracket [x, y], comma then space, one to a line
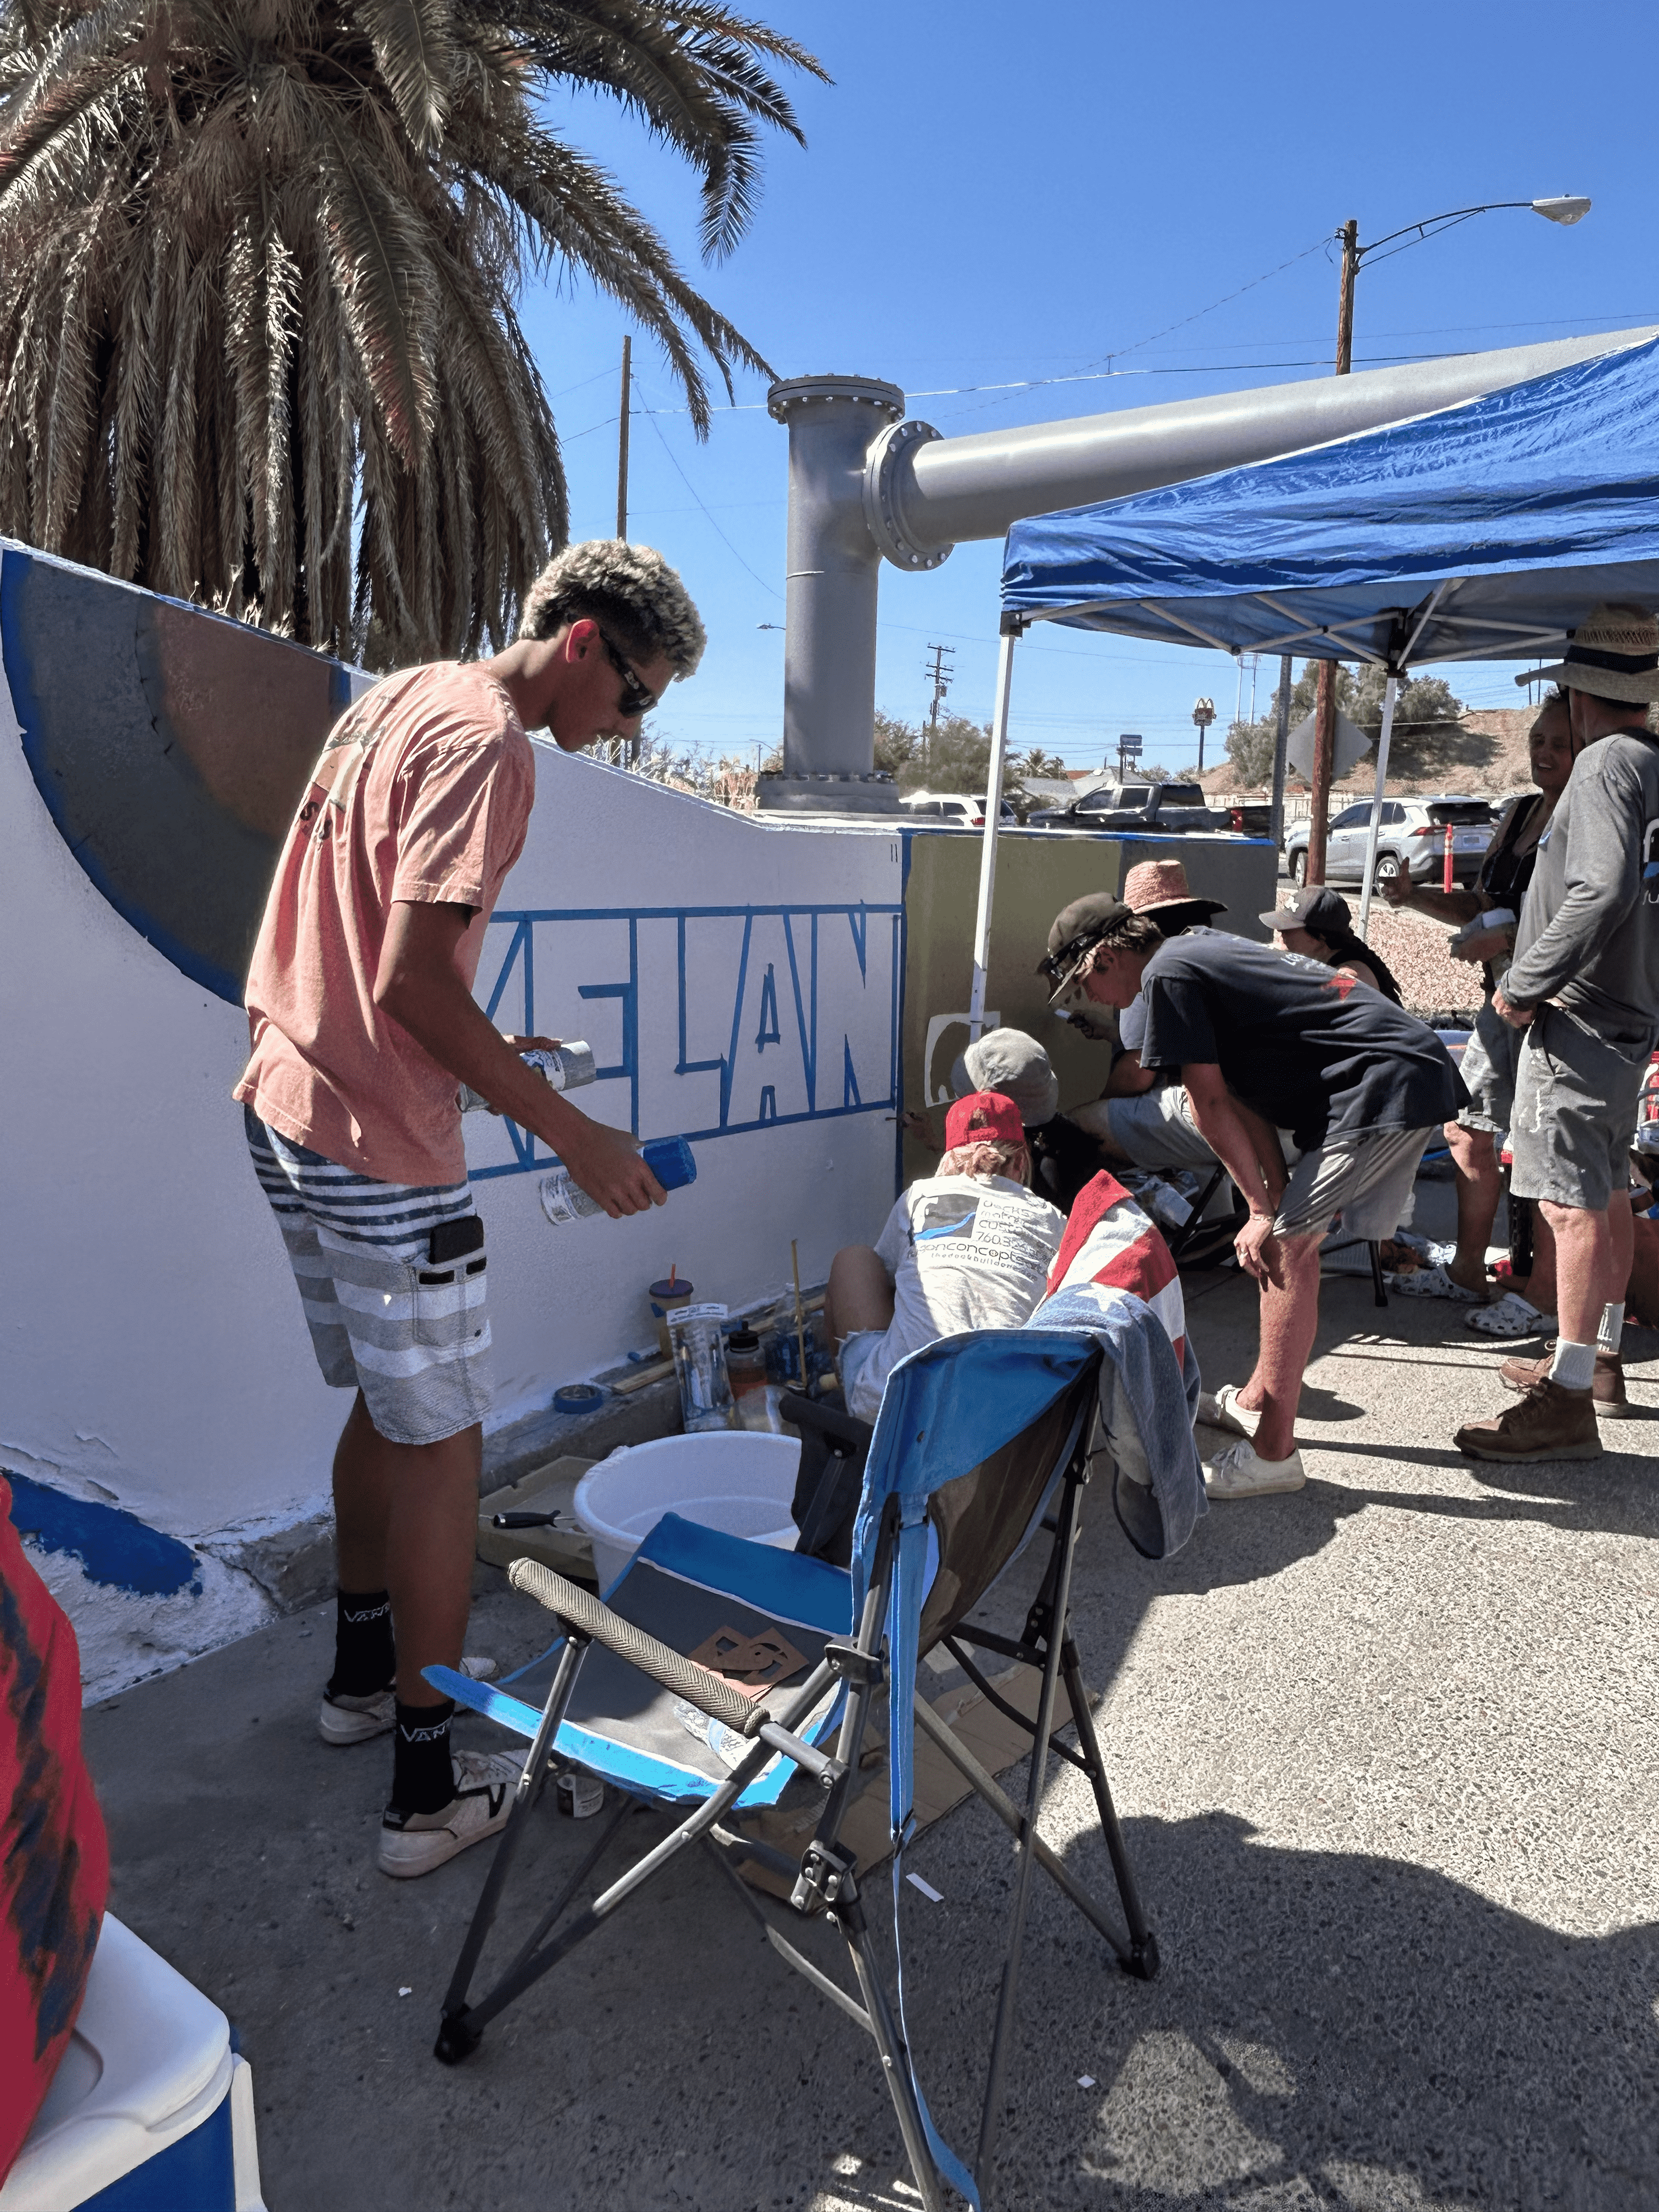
[423, 792]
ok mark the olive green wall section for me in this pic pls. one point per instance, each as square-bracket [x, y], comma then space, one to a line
[1038, 872]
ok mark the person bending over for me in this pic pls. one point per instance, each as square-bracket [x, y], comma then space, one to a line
[969, 1247]
[1492, 1054]
[1262, 1038]
[1142, 1119]
[1319, 925]
[363, 1026]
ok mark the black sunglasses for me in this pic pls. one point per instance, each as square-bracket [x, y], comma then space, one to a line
[1055, 965]
[635, 699]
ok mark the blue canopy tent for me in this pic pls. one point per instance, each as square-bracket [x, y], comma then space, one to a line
[1485, 531]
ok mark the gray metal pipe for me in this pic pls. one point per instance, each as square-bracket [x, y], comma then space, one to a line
[833, 563]
[864, 484]
[945, 491]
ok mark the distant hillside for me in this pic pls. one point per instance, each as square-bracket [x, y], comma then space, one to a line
[1484, 752]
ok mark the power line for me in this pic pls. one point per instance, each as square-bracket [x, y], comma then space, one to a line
[651, 415]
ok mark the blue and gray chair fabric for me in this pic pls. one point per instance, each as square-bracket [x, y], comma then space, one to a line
[716, 1672]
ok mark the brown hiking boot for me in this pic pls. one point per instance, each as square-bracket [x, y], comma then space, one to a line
[1608, 1390]
[1551, 1422]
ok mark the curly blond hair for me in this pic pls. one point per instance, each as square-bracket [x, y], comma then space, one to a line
[629, 591]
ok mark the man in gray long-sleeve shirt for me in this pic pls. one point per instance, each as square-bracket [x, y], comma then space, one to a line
[1584, 987]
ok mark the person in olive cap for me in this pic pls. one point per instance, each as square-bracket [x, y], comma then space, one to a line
[1261, 1039]
[1063, 1157]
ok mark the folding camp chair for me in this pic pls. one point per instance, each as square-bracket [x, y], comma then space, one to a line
[717, 1669]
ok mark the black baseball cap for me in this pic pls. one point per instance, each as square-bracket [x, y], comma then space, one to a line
[1317, 909]
[1076, 930]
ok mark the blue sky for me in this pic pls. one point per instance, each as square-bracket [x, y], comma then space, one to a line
[990, 194]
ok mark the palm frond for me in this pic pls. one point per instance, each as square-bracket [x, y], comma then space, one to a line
[259, 268]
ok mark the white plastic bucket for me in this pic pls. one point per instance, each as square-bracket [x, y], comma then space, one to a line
[733, 1480]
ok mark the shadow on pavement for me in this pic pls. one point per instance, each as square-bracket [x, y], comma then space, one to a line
[1326, 2030]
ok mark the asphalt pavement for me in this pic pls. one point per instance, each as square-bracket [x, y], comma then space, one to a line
[1384, 1754]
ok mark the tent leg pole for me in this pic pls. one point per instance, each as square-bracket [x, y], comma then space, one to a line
[1390, 691]
[1281, 747]
[987, 850]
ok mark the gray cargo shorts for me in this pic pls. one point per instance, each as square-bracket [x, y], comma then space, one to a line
[1576, 1093]
[1367, 1179]
[1488, 1065]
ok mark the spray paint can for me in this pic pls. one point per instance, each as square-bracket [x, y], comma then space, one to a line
[564, 1067]
[669, 1158]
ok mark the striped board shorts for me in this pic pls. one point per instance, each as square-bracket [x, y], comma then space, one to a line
[386, 1318]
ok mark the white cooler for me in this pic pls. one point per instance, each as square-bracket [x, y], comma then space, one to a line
[150, 2110]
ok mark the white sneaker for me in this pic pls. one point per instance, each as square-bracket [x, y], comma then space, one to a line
[1219, 1409]
[1237, 1473]
[355, 1720]
[413, 1842]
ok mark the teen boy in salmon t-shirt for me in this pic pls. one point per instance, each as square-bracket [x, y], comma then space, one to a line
[363, 1026]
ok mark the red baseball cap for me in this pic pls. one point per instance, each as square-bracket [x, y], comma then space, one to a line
[983, 1115]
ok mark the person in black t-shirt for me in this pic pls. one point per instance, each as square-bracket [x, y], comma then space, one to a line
[1263, 1040]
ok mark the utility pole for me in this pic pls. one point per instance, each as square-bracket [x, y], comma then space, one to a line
[939, 676]
[621, 440]
[1324, 759]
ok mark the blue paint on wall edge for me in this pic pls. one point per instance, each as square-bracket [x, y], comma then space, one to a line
[115, 1547]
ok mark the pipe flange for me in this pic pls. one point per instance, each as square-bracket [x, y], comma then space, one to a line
[791, 392]
[881, 509]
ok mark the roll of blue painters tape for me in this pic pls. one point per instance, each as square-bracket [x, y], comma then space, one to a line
[578, 1398]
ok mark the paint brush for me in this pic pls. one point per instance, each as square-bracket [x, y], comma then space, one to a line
[800, 1318]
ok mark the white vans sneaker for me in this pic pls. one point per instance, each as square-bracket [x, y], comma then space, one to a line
[413, 1842]
[1219, 1409]
[1237, 1473]
[355, 1720]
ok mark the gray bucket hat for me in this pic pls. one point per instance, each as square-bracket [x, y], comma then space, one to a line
[1016, 1065]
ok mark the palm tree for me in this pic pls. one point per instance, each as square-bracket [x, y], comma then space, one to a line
[258, 261]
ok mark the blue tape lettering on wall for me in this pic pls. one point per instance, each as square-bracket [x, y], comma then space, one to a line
[114, 1547]
[705, 1021]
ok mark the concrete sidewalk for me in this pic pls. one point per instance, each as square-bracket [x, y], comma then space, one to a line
[1385, 1752]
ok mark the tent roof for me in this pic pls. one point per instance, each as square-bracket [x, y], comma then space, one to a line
[1484, 532]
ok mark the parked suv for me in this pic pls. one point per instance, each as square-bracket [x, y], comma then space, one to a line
[954, 808]
[1160, 807]
[1410, 840]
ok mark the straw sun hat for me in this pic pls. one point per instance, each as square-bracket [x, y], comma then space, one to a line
[1615, 653]
[1160, 889]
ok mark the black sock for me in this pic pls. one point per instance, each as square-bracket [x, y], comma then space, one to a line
[422, 1776]
[364, 1658]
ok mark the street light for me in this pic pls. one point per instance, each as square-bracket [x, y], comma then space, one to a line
[1563, 208]
[1203, 715]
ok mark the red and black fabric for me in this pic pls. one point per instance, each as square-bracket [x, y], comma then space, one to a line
[54, 1857]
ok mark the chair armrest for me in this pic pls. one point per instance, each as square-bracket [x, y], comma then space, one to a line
[710, 1693]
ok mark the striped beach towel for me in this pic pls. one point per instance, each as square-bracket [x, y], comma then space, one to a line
[1110, 1241]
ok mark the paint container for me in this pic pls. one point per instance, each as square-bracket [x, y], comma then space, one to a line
[746, 1366]
[581, 1795]
[565, 1066]
[699, 1363]
[668, 1297]
[669, 1158]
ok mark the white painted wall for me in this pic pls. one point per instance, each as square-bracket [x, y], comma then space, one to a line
[154, 1355]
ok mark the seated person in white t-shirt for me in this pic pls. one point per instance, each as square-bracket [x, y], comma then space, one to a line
[969, 1247]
